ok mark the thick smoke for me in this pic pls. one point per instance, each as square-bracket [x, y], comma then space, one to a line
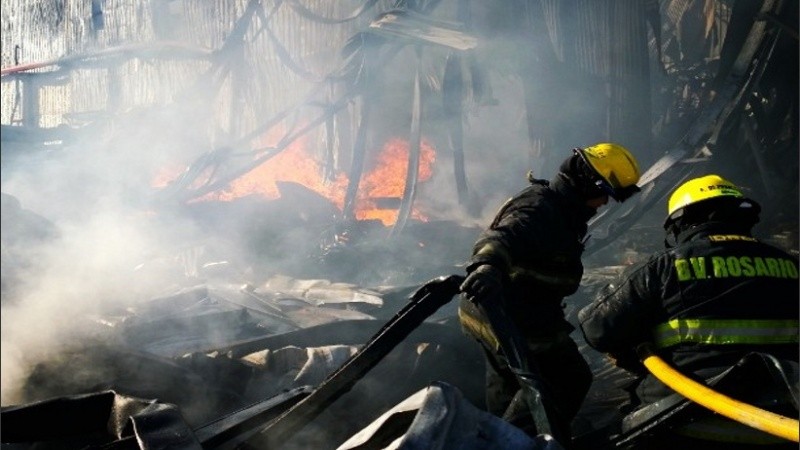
[117, 243]
[112, 239]
[95, 196]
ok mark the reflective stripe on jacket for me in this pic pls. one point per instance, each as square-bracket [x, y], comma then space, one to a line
[715, 296]
[722, 332]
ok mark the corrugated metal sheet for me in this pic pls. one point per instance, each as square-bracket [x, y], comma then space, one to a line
[49, 30]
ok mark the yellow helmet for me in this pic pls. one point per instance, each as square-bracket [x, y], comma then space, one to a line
[615, 166]
[700, 189]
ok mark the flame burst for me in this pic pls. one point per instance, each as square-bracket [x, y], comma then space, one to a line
[380, 190]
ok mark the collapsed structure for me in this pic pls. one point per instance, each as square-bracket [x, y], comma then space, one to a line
[292, 265]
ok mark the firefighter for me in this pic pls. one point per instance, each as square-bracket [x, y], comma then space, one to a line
[526, 262]
[712, 296]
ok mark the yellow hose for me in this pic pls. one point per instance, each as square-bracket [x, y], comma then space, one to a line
[744, 413]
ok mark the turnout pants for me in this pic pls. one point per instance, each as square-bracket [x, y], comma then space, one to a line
[556, 358]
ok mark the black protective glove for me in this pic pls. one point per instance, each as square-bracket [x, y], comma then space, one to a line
[485, 282]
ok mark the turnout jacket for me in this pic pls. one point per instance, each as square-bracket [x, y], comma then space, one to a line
[717, 295]
[536, 241]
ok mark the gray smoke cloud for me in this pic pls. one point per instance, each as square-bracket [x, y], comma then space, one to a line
[119, 243]
[104, 231]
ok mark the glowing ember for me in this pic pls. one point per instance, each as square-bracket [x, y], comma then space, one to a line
[384, 178]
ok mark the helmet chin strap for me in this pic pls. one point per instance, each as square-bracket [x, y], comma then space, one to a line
[667, 244]
[673, 227]
[622, 194]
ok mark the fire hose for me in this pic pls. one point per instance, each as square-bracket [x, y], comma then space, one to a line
[752, 416]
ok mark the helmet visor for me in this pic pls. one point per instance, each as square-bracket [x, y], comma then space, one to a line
[619, 194]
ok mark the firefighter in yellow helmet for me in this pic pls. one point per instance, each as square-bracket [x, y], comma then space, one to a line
[714, 295]
[526, 262]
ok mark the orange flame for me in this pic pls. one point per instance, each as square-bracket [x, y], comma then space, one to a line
[292, 164]
[384, 180]
[388, 179]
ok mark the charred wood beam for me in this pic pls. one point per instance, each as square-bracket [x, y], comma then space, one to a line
[283, 53]
[662, 176]
[179, 188]
[417, 28]
[229, 55]
[359, 77]
[452, 100]
[758, 151]
[329, 169]
[414, 143]
[789, 28]
[754, 121]
[261, 155]
[536, 72]
[653, 17]
[357, 164]
[360, 74]
[743, 74]
[280, 49]
[236, 36]
[274, 120]
[364, 80]
[239, 81]
[630, 104]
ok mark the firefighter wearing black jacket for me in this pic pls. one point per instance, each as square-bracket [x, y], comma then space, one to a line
[526, 262]
[711, 297]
